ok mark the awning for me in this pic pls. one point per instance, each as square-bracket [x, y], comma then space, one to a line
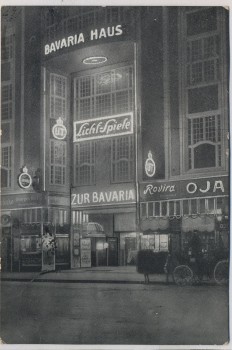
[92, 229]
[200, 223]
[154, 224]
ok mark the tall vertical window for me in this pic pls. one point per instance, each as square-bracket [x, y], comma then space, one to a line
[122, 159]
[85, 163]
[98, 95]
[58, 149]
[6, 167]
[103, 94]
[6, 101]
[58, 162]
[202, 89]
[58, 96]
[7, 47]
[7, 107]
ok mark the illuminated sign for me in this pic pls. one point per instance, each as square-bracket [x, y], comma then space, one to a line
[59, 131]
[25, 179]
[76, 39]
[112, 195]
[98, 128]
[22, 200]
[214, 186]
[150, 167]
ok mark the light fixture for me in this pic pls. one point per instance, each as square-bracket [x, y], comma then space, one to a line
[94, 60]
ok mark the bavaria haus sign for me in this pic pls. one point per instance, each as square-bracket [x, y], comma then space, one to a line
[76, 39]
[111, 195]
[203, 187]
[98, 128]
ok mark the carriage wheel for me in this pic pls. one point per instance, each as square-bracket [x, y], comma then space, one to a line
[183, 275]
[221, 272]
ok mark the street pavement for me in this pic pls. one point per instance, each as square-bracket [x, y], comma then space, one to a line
[113, 313]
[110, 274]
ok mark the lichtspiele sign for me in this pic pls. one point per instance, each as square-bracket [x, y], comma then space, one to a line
[98, 128]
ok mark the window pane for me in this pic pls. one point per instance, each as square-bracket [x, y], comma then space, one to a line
[85, 163]
[210, 129]
[185, 207]
[202, 205]
[58, 86]
[211, 205]
[103, 83]
[164, 208]
[150, 209]
[143, 210]
[4, 178]
[122, 159]
[104, 94]
[5, 132]
[177, 207]
[193, 206]
[201, 21]
[85, 88]
[58, 162]
[203, 99]
[157, 208]
[197, 129]
[200, 159]
[171, 208]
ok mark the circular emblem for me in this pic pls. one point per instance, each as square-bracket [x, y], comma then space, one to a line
[25, 179]
[59, 131]
[5, 220]
[150, 167]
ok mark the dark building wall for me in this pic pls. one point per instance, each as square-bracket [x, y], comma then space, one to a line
[173, 62]
[152, 111]
[32, 65]
[18, 95]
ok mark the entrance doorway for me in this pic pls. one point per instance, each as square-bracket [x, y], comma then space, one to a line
[112, 251]
[130, 250]
[104, 251]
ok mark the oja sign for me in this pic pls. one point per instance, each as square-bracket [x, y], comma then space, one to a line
[192, 187]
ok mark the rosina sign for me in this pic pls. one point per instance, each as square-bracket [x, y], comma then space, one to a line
[98, 128]
[204, 187]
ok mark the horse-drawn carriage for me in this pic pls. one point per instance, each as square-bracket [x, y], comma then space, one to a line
[188, 270]
[185, 268]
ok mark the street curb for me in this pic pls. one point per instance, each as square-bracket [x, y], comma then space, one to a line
[76, 281]
[99, 281]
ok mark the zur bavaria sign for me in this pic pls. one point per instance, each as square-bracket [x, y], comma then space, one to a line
[98, 128]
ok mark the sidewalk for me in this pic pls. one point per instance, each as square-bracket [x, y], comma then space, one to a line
[118, 274]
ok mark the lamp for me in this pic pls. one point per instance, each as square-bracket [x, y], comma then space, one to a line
[94, 60]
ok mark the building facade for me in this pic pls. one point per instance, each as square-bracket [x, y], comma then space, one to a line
[115, 133]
